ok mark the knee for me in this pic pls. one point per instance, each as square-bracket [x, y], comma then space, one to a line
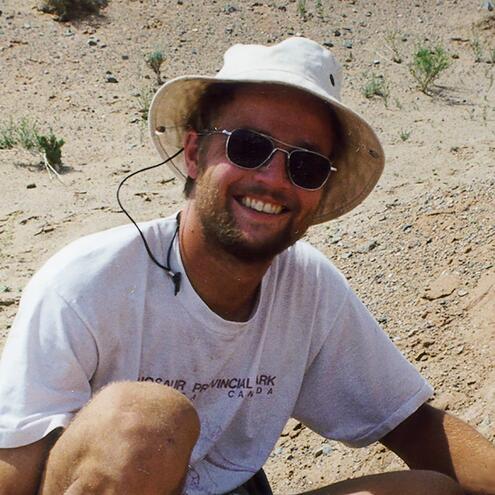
[142, 413]
[132, 437]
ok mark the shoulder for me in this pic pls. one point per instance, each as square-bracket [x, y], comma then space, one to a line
[109, 255]
[305, 262]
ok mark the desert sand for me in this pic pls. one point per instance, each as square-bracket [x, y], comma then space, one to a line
[419, 251]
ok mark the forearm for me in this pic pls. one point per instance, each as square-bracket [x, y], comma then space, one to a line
[21, 468]
[443, 443]
[472, 457]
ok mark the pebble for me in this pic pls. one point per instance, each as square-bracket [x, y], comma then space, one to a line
[230, 9]
[32, 185]
[369, 246]
[110, 78]
[348, 44]
[324, 449]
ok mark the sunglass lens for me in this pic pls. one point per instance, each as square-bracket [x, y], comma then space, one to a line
[308, 170]
[248, 149]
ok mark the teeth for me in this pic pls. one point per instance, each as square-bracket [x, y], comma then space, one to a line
[260, 206]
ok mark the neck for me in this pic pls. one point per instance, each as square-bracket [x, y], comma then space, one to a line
[228, 286]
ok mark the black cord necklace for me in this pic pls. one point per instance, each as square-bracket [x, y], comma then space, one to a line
[175, 276]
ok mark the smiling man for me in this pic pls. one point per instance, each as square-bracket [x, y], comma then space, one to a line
[167, 361]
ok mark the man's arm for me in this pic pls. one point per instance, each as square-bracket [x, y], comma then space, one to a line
[21, 468]
[432, 439]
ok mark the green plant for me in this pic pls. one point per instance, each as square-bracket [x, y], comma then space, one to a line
[51, 149]
[477, 49]
[405, 135]
[301, 8]
[376, 86]
[144, 98]
[7, 135]
[69, 9]
[26, 135]
[155, 60]
[319, 8]
[393, 45]
[428, 63]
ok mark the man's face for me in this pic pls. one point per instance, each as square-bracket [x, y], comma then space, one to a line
[227, 198]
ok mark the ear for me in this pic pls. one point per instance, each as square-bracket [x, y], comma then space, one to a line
[191, 153]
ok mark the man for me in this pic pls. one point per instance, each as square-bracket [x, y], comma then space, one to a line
[173, 369]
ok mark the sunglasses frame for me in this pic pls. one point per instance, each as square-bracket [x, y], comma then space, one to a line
[273, 141]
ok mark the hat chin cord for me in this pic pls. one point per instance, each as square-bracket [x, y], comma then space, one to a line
[175, 276]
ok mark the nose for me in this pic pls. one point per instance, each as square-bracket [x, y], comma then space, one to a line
[274, 171]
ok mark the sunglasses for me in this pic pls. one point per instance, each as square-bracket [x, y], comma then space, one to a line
[251, 150]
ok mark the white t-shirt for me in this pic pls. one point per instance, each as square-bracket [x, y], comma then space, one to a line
[100, 311]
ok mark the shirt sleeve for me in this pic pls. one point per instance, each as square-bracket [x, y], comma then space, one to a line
[359, 386]
[46, 367]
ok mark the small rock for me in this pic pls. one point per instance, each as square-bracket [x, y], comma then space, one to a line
[376, 62]
[488, 5]
[69, 32]
[443, 286]
[110, 78]
[462, 292]
[92, 41]
[32, 185]
[125, 57]
[328, 44]
[348, 44]
[337, 32]
[422, 356]
[369, 246]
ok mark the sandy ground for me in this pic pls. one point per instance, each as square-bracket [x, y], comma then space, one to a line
[419, 251]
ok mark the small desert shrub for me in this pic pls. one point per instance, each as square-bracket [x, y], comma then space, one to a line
[477, 49]
[392, 43]
[154, 60]
[144, 101]
[405, 135]
[376, 86]
[8, 137]
[301, 8]
[69, 9]
[427, 65]
[26, 135]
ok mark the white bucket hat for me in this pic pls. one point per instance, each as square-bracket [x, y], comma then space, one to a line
[298, 63]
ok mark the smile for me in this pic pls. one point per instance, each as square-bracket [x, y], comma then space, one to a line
[261, 206]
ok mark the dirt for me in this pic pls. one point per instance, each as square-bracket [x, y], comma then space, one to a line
[419, 251]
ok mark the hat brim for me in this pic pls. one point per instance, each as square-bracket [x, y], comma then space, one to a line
[359, 162]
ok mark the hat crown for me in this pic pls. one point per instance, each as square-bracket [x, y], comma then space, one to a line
[296, 58]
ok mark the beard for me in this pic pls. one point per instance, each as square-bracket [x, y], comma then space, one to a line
[221, 230]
